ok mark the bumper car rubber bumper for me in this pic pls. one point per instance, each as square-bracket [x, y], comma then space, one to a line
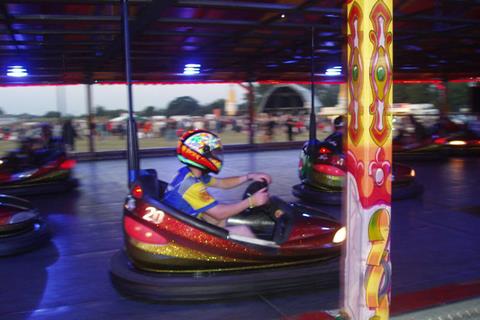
[25, 189]
[26, 240]
[422, 155]
[165, 286]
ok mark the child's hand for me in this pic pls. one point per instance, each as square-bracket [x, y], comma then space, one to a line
[259, 176]
[260, 197]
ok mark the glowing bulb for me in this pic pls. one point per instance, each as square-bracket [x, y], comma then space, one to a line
[17, 71]
[335, 71]
[457, 143]
[340, 235]
[192, 68]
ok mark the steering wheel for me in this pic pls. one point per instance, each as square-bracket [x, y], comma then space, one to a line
[269, 208]
[254, 187]
[277, 210]
[251, 189]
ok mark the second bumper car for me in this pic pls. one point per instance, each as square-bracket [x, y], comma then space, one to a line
[323, 173]
[428, 149]
[464, 143]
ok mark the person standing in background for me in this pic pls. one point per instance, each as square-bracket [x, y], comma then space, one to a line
[68, 135]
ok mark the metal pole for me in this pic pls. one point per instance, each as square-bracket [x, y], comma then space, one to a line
[91, 141]
[61, 100]
[132, 139]
[313, 117]
[251, 113]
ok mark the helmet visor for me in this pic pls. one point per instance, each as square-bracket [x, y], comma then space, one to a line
[217, 154]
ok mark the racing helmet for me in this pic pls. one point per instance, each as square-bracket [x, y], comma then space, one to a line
[201, 149]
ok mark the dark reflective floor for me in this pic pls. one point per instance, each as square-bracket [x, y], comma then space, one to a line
[435, 241]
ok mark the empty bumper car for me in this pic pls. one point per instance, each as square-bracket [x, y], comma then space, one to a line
[428, 149]
[21, 228]
[42, 171]
[323, 171]
[463, 143]
[170, 255]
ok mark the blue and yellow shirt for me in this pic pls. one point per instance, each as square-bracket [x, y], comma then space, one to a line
[189, 194]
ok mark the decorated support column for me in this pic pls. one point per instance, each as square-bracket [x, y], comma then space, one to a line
[367, 203]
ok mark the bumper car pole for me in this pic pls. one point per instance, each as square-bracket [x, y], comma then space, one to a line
[313, 118]
[367, 203]
[132, 138]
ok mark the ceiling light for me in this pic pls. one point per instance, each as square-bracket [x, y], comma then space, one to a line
[335, 71]
[17, 71]
[192, 68]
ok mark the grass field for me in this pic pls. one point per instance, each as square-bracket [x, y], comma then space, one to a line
[115, 143]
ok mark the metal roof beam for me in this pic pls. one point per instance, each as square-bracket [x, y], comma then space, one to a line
[142, 21]
[65, 17]
[422, 17]
[244, 23]
[62, 31]
[186, 21]
[100, 2]
[237, 5]
[7, 20]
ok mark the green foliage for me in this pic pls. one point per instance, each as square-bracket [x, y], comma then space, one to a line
[148, 111]
[260, 91]
[328, 94]
[52, 114]
[243, 108]
[415, 93]
[183, 106]
[217, 104]
[458, 96]
[1, 112]
[101, 111]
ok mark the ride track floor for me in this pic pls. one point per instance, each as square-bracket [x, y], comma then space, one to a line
[435, 242]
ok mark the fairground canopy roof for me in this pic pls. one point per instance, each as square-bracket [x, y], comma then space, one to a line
[60, 41]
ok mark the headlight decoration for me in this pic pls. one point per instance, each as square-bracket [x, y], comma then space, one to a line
[23, 175]
[412, 173]
[130, 205]
[457, 143]
[340, 235]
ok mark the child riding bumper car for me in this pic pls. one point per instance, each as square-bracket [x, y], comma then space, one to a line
[35, 169]
[322, 170]
[175, 253]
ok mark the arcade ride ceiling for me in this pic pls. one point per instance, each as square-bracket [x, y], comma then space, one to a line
[61, 41]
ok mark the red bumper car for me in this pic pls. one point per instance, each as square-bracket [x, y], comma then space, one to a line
[43, 171]
[21, 228]
[170, 255]
[322, 171]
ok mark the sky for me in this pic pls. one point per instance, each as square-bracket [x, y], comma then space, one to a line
[71, 99]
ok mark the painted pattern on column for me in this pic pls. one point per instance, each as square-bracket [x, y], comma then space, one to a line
[380, 72]
[355, 79]
[369, 160]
